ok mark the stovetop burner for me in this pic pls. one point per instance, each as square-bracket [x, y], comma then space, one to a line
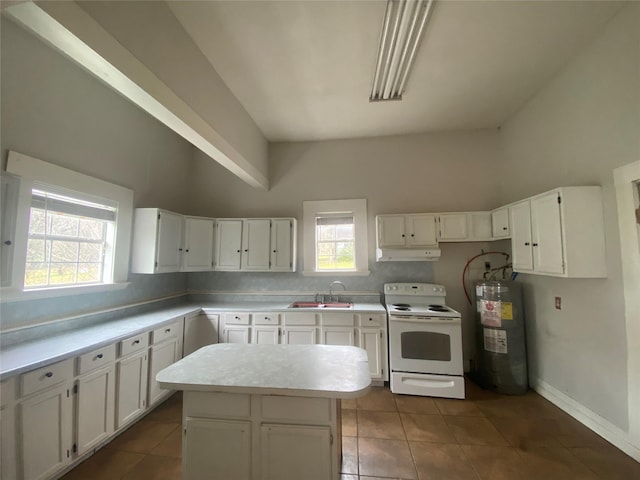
[400, 305]
[438, 308]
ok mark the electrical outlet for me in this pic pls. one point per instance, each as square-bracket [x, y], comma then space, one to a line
[558, 303]
[487, 266]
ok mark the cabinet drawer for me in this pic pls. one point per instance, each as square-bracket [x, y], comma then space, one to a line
[308, 410]
[168, 331]
[203, 404]
[237, 318]
[95, 359]
[134, 344]
[266, 319]
[300, 318]
[47, 376]
[337, 319]
[372, 320]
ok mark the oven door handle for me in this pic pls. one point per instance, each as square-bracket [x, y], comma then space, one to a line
[424, 320]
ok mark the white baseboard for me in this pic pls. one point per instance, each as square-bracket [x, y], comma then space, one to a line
[590, 419]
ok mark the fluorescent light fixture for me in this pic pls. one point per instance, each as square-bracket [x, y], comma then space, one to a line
[402, 29]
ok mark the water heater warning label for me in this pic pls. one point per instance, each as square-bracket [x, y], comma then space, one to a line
[492, 313]
[495, 340]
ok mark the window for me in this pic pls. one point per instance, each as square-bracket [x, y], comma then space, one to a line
[72, 232]
[335, 237]
[70, 241]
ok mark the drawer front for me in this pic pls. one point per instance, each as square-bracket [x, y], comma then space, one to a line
[168, 331]
[96, 359]
[302, 318]
[306, 410]
[203, 404]
[134, 344]
[372, 320]
[46, 377]
[237, 318]
[266, 319]
[338, 319]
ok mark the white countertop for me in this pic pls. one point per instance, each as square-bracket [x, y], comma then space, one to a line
[326, 371]
[30, 355]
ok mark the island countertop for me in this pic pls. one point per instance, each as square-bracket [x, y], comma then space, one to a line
[325, 371]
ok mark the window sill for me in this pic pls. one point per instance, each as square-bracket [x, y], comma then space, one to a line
[15, 295]
[337, 273]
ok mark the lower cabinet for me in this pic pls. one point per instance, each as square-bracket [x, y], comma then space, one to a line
[131, 387]
[160, 357]
[217, 449]
[300, 335]
[95, 404]
[235, 334]
[370, 339]
[265, 335]
[45, 433]
[338, 336]
[200, 330]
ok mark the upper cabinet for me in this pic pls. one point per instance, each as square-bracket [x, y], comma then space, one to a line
[198, 244]
[406, 231]
[464, 227]
[560, 233]
[500, 223]
[157, 241]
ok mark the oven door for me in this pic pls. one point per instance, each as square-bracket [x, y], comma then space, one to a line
[425, 344]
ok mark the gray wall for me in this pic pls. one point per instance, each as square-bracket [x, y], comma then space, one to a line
[54, 111]
[581, 126]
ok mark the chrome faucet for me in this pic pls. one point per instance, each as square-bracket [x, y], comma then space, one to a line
[331, 285]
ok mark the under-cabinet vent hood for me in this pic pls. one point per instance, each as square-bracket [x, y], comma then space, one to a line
[428, 254]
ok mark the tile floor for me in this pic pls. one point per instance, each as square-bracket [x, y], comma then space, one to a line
[387, 436]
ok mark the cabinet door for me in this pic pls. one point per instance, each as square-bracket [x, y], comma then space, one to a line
[266, 335]
[200, 331]
[161, 356]
[500, 223]
[8, 212]
[300, 335]
[256, 235]
[421, 230]
[546, 234]
[216, 449]
[479, 226]
[169, 238]
[338, 336]
[235, 334]
[370, 339]
[198, 244]
[391, 231]
[8, 447]
[228, 243]
[521, 237]
[95, 406]
[45, 433]
[295, 451]
[131, 387]
[453, 226]
[282, 242]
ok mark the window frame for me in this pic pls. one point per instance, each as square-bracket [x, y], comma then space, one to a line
[314, 208]
[39, 174]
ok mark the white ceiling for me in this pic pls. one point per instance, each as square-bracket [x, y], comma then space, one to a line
[303, 69]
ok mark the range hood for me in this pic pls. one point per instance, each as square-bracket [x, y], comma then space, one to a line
[428, 254]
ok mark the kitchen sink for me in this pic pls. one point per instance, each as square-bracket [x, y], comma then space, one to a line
[321, 305]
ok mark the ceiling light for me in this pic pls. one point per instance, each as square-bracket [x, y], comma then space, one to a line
[404, 23]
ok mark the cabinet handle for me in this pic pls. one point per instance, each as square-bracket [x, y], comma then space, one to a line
[8, 242]
[136, 342]
[412, 235]
[403, 235]
[504, 228]
[167, 330]
[274, 251]
[187, 250]
[99, 355]
[179, 249]
[246, 250]
[535, 244]
[527, 244]
[48, 374]
[237, 251]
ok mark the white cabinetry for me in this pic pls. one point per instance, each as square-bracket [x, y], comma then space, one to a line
[283, 245]
[372, 337]
[200, 330]
[166, 349]
[8, 450]
[300, 328]
[157, 241]
[131, 382]
[228, 244]
[500, 223]
[560, 233]
[406, 231]
[337, 329]
[8, 212]
[198, 244]
[464, 227]
[266, 328]
[256, 237]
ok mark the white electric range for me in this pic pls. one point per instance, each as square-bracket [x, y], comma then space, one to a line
[425, 341]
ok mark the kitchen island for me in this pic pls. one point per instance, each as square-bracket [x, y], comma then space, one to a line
[265, 411]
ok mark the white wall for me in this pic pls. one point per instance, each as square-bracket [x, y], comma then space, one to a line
[581, 126]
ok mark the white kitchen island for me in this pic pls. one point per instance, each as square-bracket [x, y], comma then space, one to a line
[259, 412]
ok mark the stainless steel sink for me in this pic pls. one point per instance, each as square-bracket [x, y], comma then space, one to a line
[321, 305]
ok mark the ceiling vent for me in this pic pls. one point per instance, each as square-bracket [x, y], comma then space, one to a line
[402, 29]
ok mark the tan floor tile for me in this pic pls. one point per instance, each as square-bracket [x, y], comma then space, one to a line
[349, 423]
[156, 468]
[450, 406]
[494, 463]
[378, 399]
[553, 464]
[437, 462]
[169, 412]
[385, 458]
[608, 462]
[373, 424]
[171, 446]
[413, 404]
[349, 403]
[527, 432]
[143, 436]
[530, 405]
[572, 433]
[105, 464]
[349, 455]
[427, 428]
[473, 391]
[474, 431]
